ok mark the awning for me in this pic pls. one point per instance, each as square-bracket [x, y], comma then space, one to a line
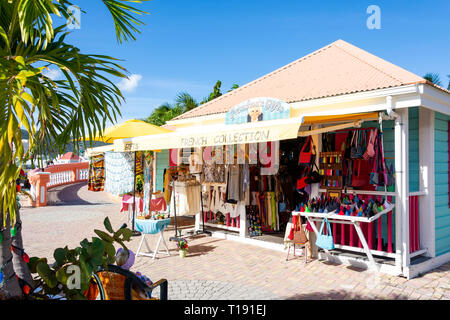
[215, 135]
[98, 150]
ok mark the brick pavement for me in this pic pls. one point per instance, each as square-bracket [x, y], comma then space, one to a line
[223, 269]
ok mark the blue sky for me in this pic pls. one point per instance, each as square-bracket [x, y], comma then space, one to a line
[189, 45]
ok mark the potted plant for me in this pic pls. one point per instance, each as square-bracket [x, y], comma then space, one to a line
[182, 245]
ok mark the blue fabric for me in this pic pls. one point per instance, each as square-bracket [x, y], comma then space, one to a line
[149, 226]
[325, 241]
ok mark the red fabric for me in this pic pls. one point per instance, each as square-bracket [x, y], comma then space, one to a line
[158, 204]
[339, 138]
[127, 200]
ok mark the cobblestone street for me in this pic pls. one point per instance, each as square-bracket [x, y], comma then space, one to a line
[216, 268]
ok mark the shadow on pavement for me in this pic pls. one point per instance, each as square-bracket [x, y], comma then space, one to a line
[68, 195]
[341, 295]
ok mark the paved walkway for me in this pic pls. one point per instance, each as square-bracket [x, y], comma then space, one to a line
[216, 268]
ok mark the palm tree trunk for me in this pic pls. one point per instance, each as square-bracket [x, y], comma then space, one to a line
[9, 288]
[19, 264]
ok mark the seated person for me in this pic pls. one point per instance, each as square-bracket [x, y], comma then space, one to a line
[125, 260]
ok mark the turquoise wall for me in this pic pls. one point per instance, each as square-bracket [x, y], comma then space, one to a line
[413, 142]
[442, 213]
[162, 162]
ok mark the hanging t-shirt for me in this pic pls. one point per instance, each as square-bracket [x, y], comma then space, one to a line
[233, 183]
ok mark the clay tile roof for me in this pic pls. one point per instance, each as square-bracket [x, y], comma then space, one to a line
[70, 156]
[336, 69]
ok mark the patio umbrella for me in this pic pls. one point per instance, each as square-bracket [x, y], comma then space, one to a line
[130, 129]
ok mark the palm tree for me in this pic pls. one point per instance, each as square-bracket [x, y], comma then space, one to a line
[183, 102]
[433, 77]
[53, 112]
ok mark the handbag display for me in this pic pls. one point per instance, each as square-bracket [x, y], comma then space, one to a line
[325, 241]
[299, 233]
[370, 151]
[361, 144]
[305, 156]
[313, 176]
[353, 149]
[360, 173]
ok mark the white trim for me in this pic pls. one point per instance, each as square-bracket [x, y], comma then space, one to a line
[417, 253]
[362, 264]
[435, 99]
[377, 103]
[402, 187]
[415, 270]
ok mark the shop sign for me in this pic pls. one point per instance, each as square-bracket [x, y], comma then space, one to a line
[254, 136]
[258, 109]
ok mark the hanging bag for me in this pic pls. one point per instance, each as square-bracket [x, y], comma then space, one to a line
[305, 156]
[299, 233]
[375, 174]
[301, 182]
[370, 151]
[353, 151]
[325, 241]
[313, 176]
[360, 173]
[361, 143]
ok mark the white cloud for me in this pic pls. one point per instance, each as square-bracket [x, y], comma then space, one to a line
[129, 84]
[54, 74]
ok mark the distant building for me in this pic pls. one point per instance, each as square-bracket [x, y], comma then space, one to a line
[69, 157]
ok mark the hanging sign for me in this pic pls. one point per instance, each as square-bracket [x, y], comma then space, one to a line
[258, 109]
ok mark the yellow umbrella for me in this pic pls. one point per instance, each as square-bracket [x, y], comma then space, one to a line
[129, 129]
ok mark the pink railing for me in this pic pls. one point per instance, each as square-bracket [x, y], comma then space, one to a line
[56, 175]
[413, 224]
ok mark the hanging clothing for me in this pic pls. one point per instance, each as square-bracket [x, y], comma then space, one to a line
[167, 185]
[119, 171]
[187, 198]
[233, 190]
[96, 180]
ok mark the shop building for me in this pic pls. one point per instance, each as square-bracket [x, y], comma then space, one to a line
[338, 98]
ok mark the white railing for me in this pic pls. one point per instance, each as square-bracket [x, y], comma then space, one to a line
[83, 174]
[60, 178]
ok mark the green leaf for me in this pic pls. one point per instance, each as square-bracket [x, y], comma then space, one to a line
[107, 224]
[109, 249]
[61, 275]
[33, 263]
[104, 236]
[60, 255]
[47, 274]
[125, 233]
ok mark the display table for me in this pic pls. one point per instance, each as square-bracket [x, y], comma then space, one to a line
[352, 220]
[149, 226]
[127, 205]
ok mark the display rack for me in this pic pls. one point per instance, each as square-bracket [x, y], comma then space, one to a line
[331, 165]
[313, 217]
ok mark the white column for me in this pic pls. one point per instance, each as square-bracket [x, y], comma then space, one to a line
[426, 180]
[402, 189]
